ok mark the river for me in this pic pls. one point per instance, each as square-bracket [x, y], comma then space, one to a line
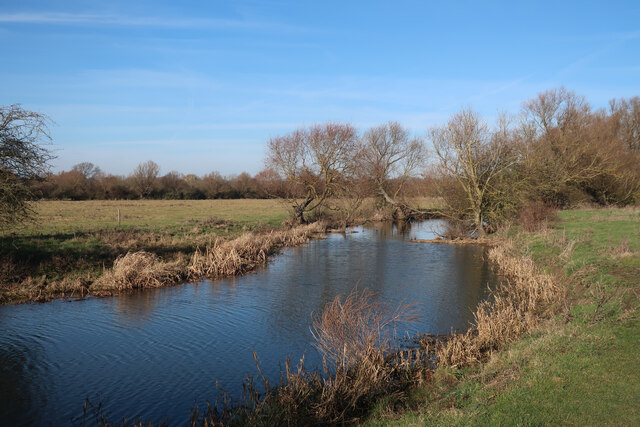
[153, 353]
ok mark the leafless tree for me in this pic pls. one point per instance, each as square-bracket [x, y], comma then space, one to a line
[172, 183]
[22, 159]
[627, 113]
[389, 157]
[472, 155]
[316, 162]
[566, 147]
[88, 169]
[144, 178]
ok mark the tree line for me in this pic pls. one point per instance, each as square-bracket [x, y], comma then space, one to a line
[86, 181]
[557, 151]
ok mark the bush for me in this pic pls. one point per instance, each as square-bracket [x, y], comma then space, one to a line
[534, 216]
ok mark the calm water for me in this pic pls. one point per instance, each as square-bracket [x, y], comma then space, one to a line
[153, 354]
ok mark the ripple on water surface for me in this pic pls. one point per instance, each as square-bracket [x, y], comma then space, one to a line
[153, 353]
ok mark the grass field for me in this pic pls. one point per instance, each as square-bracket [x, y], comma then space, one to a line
[581, 367]
[71, 243]
[55, 217]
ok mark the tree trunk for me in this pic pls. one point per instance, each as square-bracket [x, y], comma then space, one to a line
[386, 197]
[298, 211]
[479, 224]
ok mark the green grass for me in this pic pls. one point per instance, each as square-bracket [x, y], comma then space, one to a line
[56, 217]
[582, 366]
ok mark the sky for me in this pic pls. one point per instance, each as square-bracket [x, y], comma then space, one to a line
[201, 86]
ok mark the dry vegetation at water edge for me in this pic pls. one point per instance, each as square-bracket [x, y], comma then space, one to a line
[75, 243]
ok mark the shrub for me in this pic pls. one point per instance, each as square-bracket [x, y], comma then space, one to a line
[535, 216]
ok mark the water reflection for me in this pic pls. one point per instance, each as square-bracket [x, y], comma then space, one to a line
[152, 353]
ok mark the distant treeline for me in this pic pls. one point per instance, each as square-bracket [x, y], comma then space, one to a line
[86, 181]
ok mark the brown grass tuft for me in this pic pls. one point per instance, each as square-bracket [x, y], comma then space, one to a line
[622, 249]
[233, 257]
[137, 270]
[350, 327]
[518, 305]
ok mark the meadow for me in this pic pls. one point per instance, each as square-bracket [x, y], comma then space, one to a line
[71, 243]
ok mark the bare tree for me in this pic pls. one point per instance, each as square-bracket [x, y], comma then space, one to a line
[316, 163]
[473, 156]
[144, 178]
[214, 185]
[88, 169]
[566, 147]
[389, 158]
[22, 160]
[627, 112]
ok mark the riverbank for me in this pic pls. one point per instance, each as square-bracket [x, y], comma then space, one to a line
[67, 252]
[575, 362]
[73, 243]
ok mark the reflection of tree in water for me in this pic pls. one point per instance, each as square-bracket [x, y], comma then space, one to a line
[137, 307]
[311, 277]
[473, 274]
[396, 230]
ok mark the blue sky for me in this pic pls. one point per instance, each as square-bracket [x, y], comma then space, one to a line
[199, 86]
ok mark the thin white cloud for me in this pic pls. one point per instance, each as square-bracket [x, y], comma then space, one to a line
[147, 78]
[178, 142]
[61, 18]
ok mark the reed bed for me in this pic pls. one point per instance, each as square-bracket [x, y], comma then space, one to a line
[516, 307]
[348, 327]
[141, 269]
[138, 270]
[233, 257]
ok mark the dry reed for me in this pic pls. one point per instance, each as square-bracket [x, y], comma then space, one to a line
[233, 257]
[516, 308]
[349, 327]
[137, 270]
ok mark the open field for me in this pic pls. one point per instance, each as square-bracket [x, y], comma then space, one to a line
[151, 215]
[71, 243]
[580, 366]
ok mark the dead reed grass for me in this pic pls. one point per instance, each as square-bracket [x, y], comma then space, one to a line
[361, 365]
[349, 327]
[621, 250]
[233, 257]
[138, 270]
[516, 308]
[141, 269]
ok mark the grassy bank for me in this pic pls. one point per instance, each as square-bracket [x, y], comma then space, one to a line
[72, 243]
[577, 364]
